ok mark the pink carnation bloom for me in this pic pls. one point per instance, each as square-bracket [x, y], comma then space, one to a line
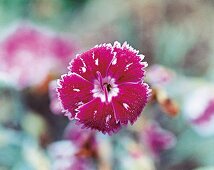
[29, 55]
[104, 87]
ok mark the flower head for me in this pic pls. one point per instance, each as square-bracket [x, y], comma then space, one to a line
[29, 55]
[104, 87]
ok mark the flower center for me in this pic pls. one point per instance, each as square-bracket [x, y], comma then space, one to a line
[108, 86]
[105, 88]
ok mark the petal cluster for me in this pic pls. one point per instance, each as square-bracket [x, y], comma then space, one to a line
[29, 54]
[104, 87]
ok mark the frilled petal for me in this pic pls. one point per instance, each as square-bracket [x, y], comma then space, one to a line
[127, 65]
[96, 59]
[98, 115]
[73, 92]
[130, 102]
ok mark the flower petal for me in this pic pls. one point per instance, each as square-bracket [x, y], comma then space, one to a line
[98, 115]
[130, 102]
[127, 65]
[207, 115]
[96, 59]
[73, 92]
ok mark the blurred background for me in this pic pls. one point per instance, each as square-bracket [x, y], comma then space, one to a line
[38, 38]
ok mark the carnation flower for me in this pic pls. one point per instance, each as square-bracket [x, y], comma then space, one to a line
[104, 87]
[30, 54]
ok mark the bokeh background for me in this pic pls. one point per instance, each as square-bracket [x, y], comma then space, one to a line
[38, 38]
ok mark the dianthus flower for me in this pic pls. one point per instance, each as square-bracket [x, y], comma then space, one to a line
[104, 87]
[29, 54]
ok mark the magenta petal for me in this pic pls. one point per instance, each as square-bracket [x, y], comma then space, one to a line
[73, 92]
[206, 116]
[130, 102]
[127, 65]
[98, 115]
[96, 59]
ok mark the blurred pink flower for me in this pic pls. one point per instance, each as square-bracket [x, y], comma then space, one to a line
[199, 110]
[207, 114]
[104, 88]
[80, 136]
[159, 75]
[29, 55]
[157, 139]
[63, 157]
